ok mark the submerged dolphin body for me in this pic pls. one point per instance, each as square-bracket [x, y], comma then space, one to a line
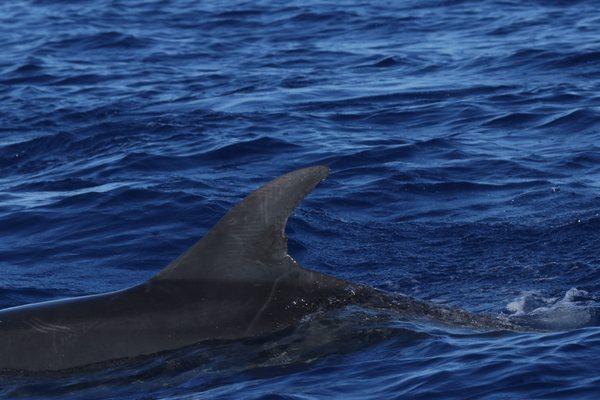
[237, 281]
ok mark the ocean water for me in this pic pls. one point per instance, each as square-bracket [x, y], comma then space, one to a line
[463, 140]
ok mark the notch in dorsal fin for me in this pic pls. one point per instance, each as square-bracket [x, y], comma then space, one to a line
[249, 241]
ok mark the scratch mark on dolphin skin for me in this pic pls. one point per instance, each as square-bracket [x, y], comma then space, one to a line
[44, 327]
[266, 304]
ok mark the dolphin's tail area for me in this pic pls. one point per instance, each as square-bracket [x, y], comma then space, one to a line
[249, 241]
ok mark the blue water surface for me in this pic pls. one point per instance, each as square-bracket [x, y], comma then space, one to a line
[463, 139]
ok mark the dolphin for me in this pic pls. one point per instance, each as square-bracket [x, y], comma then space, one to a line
[238, 281]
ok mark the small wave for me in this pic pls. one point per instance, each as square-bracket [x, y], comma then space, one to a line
[521, 55]
[22, 151]
[310, 17]
[514, 120]
[388, 152]
[65, 184]
[33, 65]
[587, 59]
[408, 95]
[82, 79]
[239, 13]
[31, 78]
[465, 186]
[387, 62]
[110, 40]
[254, 149]
[578, 119]
[581, 160]
[250, 149]
[295, 82]
[514, 27]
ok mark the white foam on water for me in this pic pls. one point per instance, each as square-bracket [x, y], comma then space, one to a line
[574, 310]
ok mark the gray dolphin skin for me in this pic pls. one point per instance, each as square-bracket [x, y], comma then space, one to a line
[238, 281]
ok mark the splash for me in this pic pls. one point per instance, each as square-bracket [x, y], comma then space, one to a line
[576, 309]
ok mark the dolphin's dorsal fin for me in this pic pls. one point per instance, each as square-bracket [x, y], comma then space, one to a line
[249, 241]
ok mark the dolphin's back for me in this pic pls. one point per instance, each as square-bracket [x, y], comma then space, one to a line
[237, 281]
[59, 334]
[153, 317]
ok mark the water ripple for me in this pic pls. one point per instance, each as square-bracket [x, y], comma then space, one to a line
[463, 143]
